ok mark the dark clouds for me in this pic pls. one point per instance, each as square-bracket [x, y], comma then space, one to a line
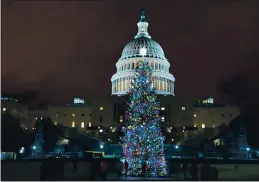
[70, 48]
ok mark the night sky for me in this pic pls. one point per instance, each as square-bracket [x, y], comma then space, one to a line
[70, 48]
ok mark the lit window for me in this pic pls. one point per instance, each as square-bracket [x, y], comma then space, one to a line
[73, 115]
[4, 109]
[183, 108]
[82, 124]
[90, 124]
[163, 118]
[73, 124]
[101, 108]
[194, 115]
[203, 125]
[55, 123]
[195, 125]
[121, 119]
[162, 108]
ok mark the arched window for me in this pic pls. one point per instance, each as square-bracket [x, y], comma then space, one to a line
[155, 66]
[162, 67]
[132, 66]
[152, 66]
[159, 67]
[128, 66]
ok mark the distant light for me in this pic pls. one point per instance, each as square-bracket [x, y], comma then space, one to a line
[101, 130]
[65, 141]
[101, 146]
[111, 127]
[109, 139]
[203, 125]
[247, 149]
[162, 108]
[184, 127]
[4, 109]
[21, 150]
[183, 108]
[34, 147]
[143, 51]
[172, 139]
[41, 118]
[177, 147]
[98, 127]
[79, 101]
[171, 127]
[194, 115]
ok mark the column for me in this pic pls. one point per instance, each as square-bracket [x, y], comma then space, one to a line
[154, 82]
[117, 85]
[125, 84]
[124, 80]
[173, 87]
[157, 83]
[163, 83]
[112, 87]
[166, 85]
[160, 83]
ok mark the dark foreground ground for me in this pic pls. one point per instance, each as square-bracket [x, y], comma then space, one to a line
[30, 171]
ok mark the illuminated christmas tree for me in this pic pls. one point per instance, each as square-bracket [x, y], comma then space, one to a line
[143, 140]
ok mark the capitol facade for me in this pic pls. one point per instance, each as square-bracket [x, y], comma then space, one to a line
[163, 81]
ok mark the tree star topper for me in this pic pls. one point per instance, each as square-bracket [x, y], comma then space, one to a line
[143, 51]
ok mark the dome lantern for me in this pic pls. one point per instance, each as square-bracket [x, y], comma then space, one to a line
[142, 26]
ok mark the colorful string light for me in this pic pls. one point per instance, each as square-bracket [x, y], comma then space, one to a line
[143, 140]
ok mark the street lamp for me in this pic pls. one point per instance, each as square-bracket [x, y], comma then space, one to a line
[22, 150]
[34, 147]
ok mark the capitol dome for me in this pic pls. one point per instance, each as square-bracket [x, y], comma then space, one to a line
[154, 50]
[163, 81]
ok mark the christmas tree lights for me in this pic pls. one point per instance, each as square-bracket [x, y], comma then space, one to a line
[143, 140]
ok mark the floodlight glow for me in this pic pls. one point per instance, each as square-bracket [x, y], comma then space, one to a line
[177, 147]
[101, 146]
